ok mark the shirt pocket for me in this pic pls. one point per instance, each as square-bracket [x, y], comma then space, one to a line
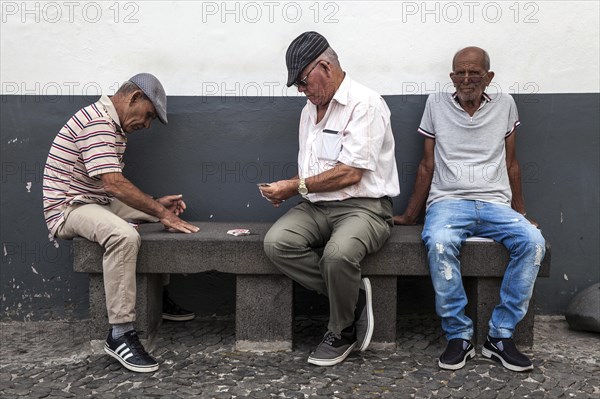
[331, 145]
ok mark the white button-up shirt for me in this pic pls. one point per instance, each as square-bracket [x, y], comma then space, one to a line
[355, 131]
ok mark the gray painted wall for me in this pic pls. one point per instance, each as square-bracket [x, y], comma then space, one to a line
[216, 148]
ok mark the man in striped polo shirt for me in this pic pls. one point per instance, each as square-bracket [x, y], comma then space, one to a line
[470, 181]
[85, 194]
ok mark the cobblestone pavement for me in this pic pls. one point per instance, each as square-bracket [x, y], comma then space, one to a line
[54, 360]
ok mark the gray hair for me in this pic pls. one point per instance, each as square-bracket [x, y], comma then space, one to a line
[331, 56]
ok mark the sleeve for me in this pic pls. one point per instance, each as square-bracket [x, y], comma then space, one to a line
[426, 126]
[513, 117]
[97, 145]
[364, 135]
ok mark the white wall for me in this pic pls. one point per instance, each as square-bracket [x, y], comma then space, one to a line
[238, 48]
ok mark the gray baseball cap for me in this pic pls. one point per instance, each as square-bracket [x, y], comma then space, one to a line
[155, 91]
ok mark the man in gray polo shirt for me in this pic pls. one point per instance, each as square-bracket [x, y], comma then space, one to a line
[470, 178]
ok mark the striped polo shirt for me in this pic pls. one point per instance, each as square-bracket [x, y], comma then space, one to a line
[89, 144]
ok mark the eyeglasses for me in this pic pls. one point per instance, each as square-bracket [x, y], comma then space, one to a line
[459, 77]
[302, 82]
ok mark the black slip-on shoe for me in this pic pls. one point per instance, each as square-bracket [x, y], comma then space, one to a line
[457, 352]
[505, 351]
[363, 315]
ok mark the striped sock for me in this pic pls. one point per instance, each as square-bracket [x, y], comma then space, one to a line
[118, 330]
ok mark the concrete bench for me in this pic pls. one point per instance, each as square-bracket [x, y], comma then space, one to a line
[264, 297]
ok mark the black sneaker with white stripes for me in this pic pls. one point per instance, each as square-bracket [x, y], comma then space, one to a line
[128, 350]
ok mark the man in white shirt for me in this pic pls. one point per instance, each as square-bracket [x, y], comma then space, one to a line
[347, 175]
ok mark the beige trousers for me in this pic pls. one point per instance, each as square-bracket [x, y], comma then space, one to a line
[108, 226]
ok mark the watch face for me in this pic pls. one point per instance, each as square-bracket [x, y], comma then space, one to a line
[302, 189]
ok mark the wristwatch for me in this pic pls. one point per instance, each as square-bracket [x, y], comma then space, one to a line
[302, 190]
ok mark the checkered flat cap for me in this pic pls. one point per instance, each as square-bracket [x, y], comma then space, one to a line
[302, 51]
[154, 90]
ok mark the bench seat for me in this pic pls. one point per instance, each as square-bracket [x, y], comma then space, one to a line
[264, 297]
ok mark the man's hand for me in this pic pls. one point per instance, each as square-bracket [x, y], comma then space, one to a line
[172, 222]
[173, 203]
[404, 220]
[166, 209]
[279, 191]
[175, 206]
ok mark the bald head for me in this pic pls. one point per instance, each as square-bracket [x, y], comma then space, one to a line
[481, 53]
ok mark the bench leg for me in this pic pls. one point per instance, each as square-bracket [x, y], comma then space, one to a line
[264, 313]
[148, 307]
[484, 295]
[384, 311]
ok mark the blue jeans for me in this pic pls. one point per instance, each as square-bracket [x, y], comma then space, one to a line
[448, 223]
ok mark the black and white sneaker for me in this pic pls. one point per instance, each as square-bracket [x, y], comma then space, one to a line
[457, 352]
[128, 350]
[173, 312]
[363, 315]
[333, 349]
[505, 351]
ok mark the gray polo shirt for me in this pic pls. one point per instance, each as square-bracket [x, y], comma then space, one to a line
[469, 154]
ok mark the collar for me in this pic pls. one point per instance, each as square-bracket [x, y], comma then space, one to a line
[110, 110]
[485, 98]
[341, 95]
